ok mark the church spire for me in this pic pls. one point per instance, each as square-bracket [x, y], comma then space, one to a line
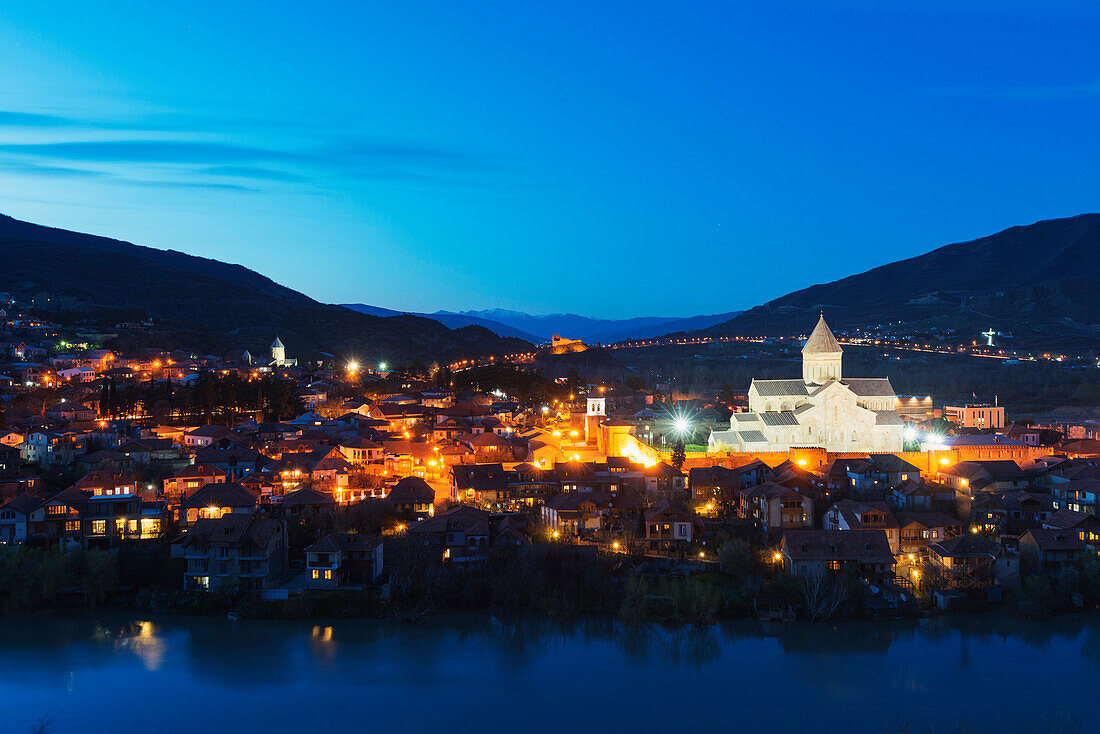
[821, 355]
[821, 339]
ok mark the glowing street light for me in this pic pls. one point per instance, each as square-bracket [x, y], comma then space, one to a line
[681, 425]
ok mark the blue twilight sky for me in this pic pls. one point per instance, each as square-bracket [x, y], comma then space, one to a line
[610, 159]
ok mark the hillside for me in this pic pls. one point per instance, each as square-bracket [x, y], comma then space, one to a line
[1038, 282]
[207, 305]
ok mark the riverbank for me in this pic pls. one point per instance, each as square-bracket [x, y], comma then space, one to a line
[558, 581]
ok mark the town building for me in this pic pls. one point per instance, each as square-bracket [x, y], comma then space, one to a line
[975, 415]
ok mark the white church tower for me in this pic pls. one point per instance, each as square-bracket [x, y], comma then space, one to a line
[821, 355]
[278, 352]
[278, 355]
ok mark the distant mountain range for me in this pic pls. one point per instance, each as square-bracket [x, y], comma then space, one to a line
[1040, 282]
[208, 306]
[448, 319]
[539, 329]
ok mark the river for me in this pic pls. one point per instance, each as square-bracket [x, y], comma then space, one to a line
[109, 672]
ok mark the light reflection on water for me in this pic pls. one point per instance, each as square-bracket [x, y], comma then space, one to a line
[481, 673]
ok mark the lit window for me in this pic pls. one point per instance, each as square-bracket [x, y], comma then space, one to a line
[328, 575]
[316, 574]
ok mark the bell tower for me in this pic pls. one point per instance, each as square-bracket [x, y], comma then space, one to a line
[821, 355]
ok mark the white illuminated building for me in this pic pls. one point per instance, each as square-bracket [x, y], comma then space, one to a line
[822, 410]
[278, 355]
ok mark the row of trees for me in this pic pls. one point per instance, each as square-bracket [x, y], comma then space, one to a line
[215, 398]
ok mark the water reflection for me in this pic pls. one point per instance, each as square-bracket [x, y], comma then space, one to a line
[78, 661]
[142, 640]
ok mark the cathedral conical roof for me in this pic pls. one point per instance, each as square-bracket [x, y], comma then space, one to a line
[277, 344]
[821, 340]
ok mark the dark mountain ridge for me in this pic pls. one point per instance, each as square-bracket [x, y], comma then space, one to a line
[1041, 282]
[211, 306]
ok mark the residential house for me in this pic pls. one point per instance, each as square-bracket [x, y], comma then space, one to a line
[968, 559]
[215, 500]
[52, 448]
[1053, 549]
[237, 462]
[1086, 526]
[576, 514]
[304, 501]
[1010, 512]
[852, 515]
[488, 447]
[968, 478]
[188, 480]
[773, 507]
[413, 495]
[715, 489]
[212, 436]
[921, 529]
[15, 517]
[664, 481]
[112, 519]
[361, 450]
[892, 470]
[146, 451]
[915, 495]
[241, 547]
[342, 559]
[669, 527]
[864, 552]
[459, 535]
[1079, 495]
[57, 521]
[331, 473]
[69, 412]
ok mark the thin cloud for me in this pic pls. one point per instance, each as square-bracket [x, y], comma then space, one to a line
[190, 185]
[148, 151]
[26, 167]
[258, 173]
[31, 119]
[198, 160]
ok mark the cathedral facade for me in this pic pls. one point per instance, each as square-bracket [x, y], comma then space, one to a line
[824, 409]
